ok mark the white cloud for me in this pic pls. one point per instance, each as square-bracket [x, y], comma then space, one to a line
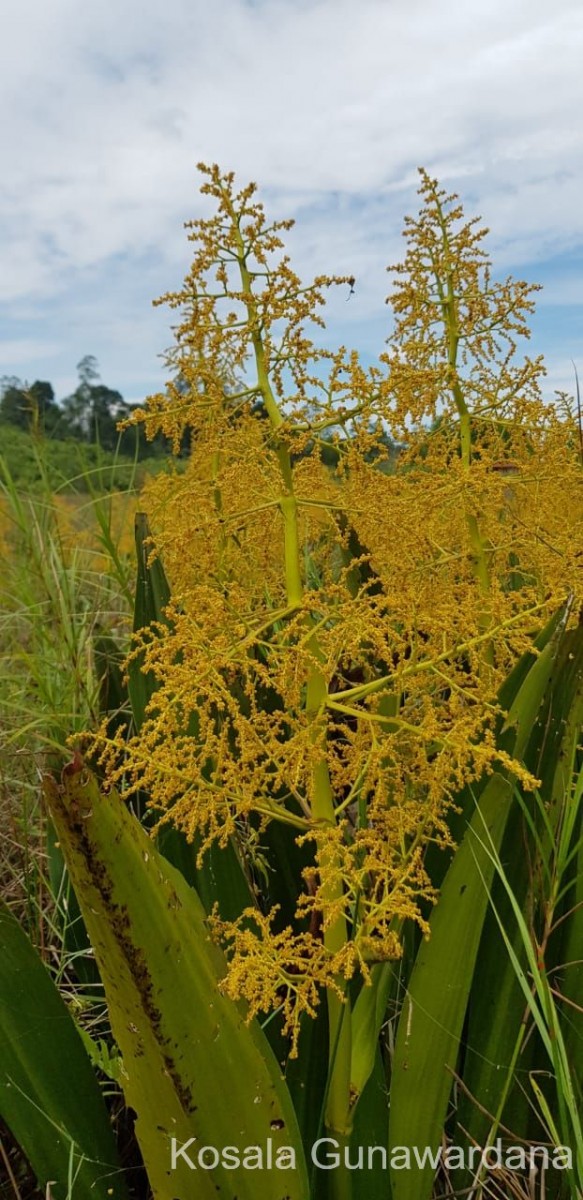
[329, 104]
[35, 350]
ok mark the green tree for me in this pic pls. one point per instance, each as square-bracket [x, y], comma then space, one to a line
[93, 410]
[44, 410]
[13, 402]
[27, 407]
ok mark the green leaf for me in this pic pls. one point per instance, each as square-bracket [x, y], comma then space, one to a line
[370, 1130]
[497, 1004]
[151, 599]
[192, 1067]
[496, 1060]
[306, 1077]
[367, 1018]
[49, 1095]
[434, 1009]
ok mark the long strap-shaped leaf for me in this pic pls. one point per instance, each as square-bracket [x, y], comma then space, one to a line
[431, 1023]
[151, 599]
[497, 1003]
[49, 1095]
[192, 1067]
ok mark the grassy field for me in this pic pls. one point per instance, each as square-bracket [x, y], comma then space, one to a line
[66, 597]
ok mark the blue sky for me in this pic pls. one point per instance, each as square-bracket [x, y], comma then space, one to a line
[330, 105]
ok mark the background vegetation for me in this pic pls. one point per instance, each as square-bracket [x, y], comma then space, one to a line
[83, 446]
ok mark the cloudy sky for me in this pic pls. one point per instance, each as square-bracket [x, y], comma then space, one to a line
[330, 105]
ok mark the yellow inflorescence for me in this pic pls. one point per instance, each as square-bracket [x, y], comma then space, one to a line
[338, 633]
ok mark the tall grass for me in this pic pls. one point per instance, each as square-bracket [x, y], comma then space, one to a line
[548, 1009]
[64, 587]
[64, 599]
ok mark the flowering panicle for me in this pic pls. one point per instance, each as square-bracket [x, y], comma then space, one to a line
[344, 614]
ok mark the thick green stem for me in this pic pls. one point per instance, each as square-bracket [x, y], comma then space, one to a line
[288, 503]
[322, 798]
[338, 1117]
[476, 541]
[448, 304]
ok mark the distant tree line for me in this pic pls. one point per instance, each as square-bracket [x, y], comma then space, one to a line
[89, 415]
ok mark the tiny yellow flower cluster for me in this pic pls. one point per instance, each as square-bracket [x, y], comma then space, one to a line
[285, 969]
